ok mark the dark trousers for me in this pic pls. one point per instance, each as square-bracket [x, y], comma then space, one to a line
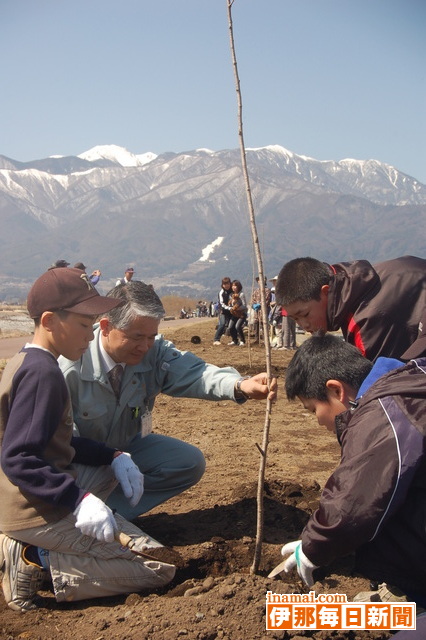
[222, 325]
[236, 328]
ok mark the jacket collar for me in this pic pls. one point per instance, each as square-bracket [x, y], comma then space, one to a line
[381, 367]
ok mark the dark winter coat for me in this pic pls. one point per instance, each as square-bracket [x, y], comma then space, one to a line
[378, 308]
[375, 501]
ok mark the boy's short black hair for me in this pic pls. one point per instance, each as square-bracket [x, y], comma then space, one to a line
[322, 358]
[301, 279]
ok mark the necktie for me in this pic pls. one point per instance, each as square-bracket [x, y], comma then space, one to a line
[115, 376]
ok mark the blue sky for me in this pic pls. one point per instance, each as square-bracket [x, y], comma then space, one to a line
[329, 79]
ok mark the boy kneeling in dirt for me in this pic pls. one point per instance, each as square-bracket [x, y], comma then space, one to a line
[374, 503]
[53, 519]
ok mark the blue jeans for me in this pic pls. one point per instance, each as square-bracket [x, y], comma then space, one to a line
[169, 466]
[221, 327]
[236, 329]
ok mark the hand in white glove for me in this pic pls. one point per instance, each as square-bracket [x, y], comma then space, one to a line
[129, 476]
[95, 519]
[298, 560]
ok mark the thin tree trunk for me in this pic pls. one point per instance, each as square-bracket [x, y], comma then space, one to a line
[263, 449]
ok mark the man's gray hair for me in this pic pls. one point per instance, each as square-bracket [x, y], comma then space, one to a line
[139, 299]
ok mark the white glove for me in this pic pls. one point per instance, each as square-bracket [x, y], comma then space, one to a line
[95, 519]
[298, 560]
[128, 475]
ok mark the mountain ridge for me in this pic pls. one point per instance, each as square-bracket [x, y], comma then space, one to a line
[111, 208]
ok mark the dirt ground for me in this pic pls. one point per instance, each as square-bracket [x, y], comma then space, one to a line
[213, 525]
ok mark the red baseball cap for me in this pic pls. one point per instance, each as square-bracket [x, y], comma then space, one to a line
[67, 290]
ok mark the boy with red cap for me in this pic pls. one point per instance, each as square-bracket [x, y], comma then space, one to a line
[53, 484]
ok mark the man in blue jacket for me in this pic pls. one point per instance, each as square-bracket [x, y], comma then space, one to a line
[118, 412]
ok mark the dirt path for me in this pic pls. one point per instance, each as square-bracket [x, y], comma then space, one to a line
[9, 346]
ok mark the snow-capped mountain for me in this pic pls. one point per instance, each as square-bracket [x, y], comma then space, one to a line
[372, 179]
[181, 219]
[117, 155]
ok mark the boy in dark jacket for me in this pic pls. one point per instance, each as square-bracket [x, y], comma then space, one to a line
[53, 519]
[377, 307]
[374, 503]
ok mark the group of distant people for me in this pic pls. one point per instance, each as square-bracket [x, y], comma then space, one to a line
[232, 313]
[95, 276]
[283, 327]
[79, 459]
[202, 310]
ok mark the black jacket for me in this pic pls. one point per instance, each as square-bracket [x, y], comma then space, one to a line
[378, 308]
[375, 501]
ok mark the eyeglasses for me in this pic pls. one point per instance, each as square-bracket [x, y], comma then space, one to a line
[135, 339]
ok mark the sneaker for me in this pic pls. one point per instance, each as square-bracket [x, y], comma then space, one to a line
[21, 578]
[232, 344]
[384, 593]
[216, 343]
[242, 344]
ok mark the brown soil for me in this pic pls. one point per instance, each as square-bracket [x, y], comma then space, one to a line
[213, 526]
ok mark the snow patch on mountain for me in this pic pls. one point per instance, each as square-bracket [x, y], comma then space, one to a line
[282, 151]
[26, 179]
[207, 251]
[118, 155]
